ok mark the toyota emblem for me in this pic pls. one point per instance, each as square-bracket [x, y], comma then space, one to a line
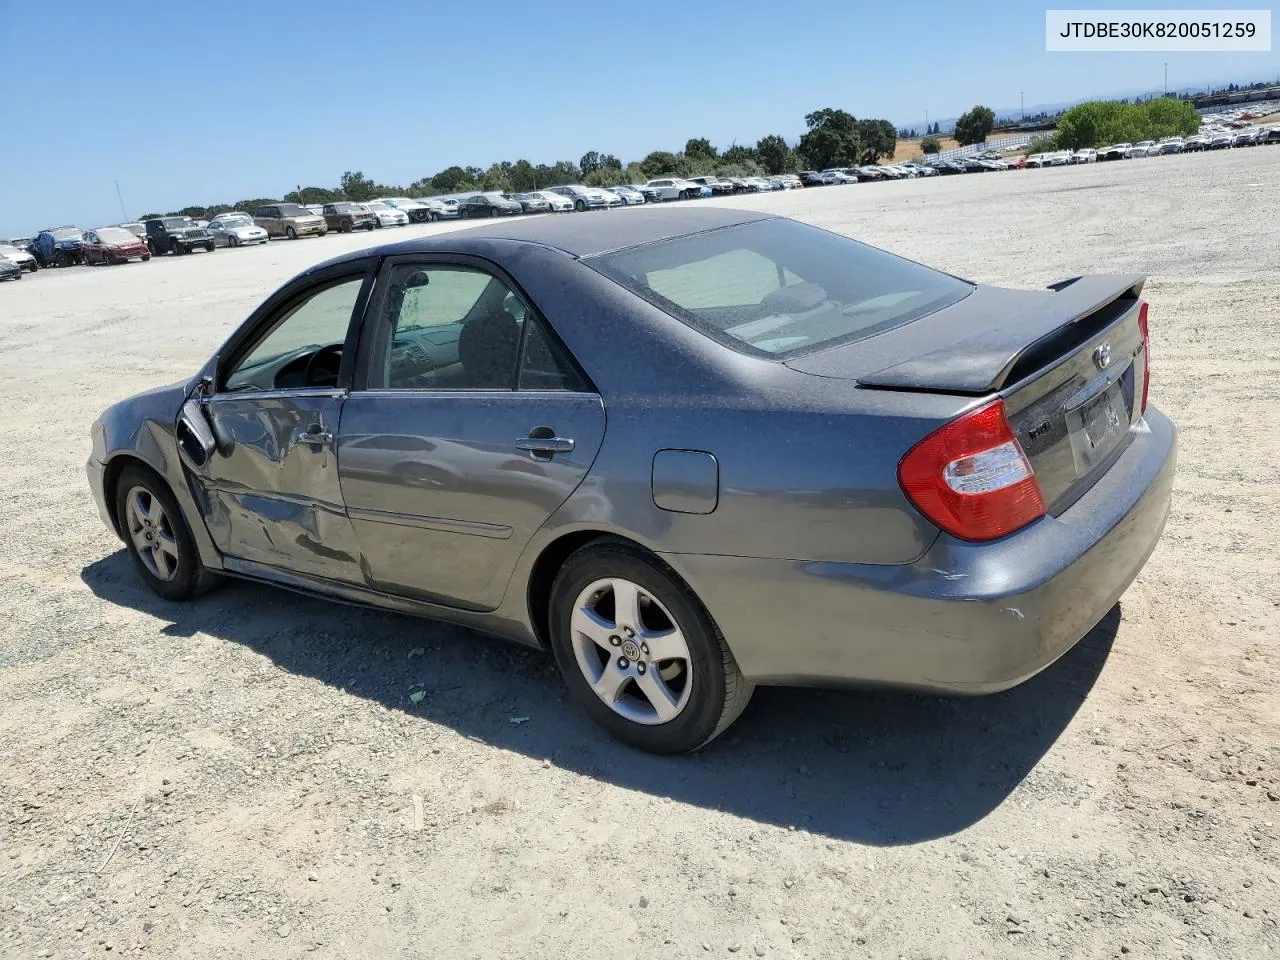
[1102, 356]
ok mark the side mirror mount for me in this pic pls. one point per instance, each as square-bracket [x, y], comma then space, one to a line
[194, 435]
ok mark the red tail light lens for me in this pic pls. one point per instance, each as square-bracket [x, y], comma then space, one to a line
[971, 477]
[1146, 353]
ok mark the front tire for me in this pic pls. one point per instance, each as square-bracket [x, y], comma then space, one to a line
[291, 233]
[158, 538]
[640, 654]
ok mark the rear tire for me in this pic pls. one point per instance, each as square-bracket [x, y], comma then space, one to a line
[707, 690]
[178, 573]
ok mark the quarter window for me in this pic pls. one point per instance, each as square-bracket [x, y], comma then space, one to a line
[457, 328]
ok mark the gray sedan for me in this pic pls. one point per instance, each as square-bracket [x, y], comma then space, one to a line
[688, 452]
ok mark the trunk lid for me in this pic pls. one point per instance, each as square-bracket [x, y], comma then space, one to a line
[1069, 363]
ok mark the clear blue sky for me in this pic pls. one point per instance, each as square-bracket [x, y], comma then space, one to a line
[214, 102]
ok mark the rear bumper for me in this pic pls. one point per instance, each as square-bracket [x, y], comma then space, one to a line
[966, 618]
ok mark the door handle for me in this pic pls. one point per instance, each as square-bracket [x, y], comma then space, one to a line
[316, 437]
[546, 446]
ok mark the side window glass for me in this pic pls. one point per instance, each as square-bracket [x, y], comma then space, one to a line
[304, 348]
[544, 365]
[447, 328]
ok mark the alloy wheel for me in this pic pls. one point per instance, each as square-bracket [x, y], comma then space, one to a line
[151, 533]
[631, 651]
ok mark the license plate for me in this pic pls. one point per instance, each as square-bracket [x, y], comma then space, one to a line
[1101, 419]
[1097, 426]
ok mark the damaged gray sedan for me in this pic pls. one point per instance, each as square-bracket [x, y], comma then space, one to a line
[688, 452]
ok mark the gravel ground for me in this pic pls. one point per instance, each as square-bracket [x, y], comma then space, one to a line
[247, 775]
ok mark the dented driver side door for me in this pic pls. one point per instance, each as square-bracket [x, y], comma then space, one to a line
[271, 491]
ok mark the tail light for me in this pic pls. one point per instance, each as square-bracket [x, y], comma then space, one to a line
[1146, 352]
[971, 477]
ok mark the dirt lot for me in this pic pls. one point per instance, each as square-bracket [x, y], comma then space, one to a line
[246, 776]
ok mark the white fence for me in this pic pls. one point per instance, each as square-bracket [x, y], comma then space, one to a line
[1019, 141]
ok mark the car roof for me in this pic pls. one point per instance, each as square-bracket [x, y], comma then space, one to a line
[584, 235]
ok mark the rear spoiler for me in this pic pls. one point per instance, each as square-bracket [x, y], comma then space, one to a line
[981, 362]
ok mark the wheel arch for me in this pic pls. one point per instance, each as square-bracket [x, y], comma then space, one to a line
[553, 557]
[111, 477]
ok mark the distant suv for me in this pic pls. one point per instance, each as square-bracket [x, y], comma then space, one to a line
[583, 198]
[345, 217]
[289, 220]
[58, 247]
[715, 183]
[176, 235]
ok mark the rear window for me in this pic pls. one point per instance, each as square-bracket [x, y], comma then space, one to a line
[293, 210]
[779, 288]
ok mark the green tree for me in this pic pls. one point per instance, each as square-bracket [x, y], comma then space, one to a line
[700, 149]
[973, 127]
[522, 176]
[831, 140]
[557, 175]
[1042, 144]
[659, 163]
[737, 153]
[589, 163]
[1100, 122]
[931, 145]
[356, 186]
[496, 178]
[773, 154]
[312, 195]
[1169, 117]
[605, 176]
[453, 180]
[878, 139]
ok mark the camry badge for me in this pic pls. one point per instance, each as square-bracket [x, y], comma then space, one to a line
[1102, 356]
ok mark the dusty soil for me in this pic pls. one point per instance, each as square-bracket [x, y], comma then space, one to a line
[910, 149]
[247, 776]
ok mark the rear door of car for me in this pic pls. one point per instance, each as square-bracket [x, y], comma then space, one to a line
[468, 426]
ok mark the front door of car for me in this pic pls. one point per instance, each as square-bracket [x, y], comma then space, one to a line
[469, 425]
[271, 489]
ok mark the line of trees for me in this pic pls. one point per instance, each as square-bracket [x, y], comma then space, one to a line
[833, 138]
[1101, 122]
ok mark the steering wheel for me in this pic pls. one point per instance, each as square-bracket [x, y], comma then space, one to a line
[315, 375]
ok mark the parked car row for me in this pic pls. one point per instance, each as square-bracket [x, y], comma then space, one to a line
[177, 235]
